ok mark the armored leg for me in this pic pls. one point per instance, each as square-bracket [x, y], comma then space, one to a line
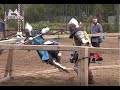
[56, 64]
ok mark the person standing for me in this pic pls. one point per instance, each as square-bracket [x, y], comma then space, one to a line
[79, 39]
[95, 40]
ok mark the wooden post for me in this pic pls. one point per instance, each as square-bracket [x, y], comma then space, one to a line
[79, 68]
[8, 70]
[83, 69]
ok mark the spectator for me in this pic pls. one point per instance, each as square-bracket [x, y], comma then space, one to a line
[95, 40]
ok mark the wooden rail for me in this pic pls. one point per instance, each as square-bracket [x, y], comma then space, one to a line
[82, 64]
[60, 48]
[57, 31]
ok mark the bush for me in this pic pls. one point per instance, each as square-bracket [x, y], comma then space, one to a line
[13, 24]
[86, 27]
[50, 25]
[108, 27]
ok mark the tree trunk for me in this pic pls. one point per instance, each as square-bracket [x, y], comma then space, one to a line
[117, 17]
[99, 16]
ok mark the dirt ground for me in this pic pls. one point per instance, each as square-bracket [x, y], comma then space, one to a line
[28, 62]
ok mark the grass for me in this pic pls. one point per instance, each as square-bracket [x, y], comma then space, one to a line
[50, 25]
[107, 27]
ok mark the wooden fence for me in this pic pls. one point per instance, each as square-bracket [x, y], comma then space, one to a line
[58, 31]
[82, 64]
[8, 33]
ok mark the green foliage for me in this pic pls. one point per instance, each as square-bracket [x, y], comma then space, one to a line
[98, 11]
[42, 12]
[109, 28]
[98, 8]
[86, 27]
[12, 24]
[50, 25]
[109, 10]
[85, 19]
[35, 12]
[1, 9]
[12, 6]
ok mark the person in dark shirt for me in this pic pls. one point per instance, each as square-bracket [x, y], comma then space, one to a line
[95, 29]
[95, 40]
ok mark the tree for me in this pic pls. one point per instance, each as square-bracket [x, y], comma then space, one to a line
[108, 11]
[98, 11]
[117, 17]
[1, 10]
[35, 12]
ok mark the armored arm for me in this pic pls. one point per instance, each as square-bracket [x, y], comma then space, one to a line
[81, 37]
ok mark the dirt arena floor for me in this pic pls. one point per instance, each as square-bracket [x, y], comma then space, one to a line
[25, 62]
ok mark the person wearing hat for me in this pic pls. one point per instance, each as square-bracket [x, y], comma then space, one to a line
[79, 39]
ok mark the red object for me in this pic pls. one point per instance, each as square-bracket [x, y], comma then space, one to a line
[96, 56]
